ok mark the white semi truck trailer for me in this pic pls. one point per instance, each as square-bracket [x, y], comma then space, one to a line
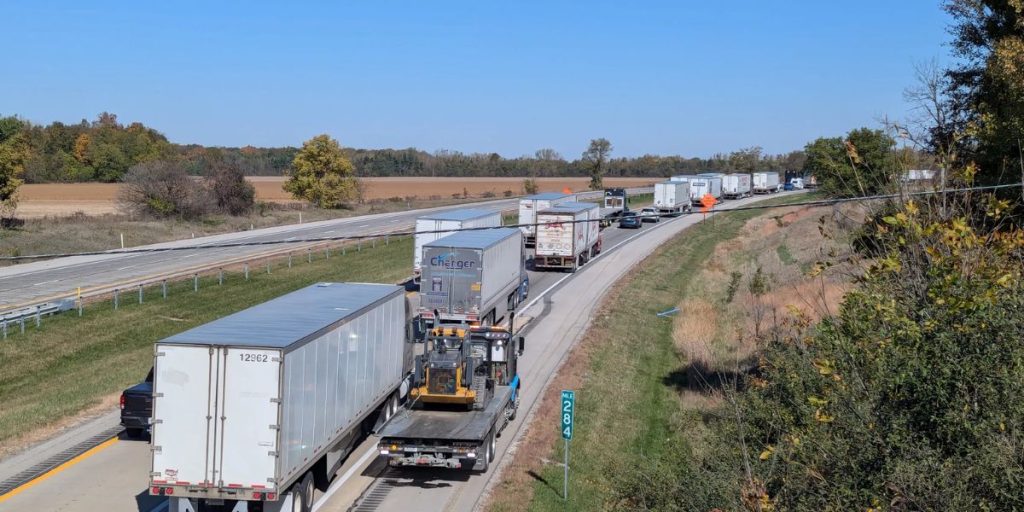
[253, 410]
[530, 205]
[568, 235]
[672, 197]
[435, 226]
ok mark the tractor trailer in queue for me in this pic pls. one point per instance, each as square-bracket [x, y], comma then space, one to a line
[472, 277]
[253, 410]
[736, 186]
[435, 226]
[766, 183]
[672, 197]
[530, 205]
[704, 185]
[568, 235]
[465, 391]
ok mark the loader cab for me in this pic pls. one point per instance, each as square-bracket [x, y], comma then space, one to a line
[461, 365]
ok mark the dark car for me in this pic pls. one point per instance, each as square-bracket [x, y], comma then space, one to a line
[137, 407]
[788, 186]
[629, 220]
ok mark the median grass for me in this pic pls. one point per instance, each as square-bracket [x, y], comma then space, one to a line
[72, 363]
[627, 375]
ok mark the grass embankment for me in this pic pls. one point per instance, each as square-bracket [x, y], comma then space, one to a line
[72, 363]
[628, 372]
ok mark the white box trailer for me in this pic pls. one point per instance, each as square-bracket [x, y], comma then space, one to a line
[530, 205]
[672, 197]
[767, 183]
[436, 225]
[472, 276]
[736, 186]
[568, 235]
[682, 177]
[253, 406]
[701, 186]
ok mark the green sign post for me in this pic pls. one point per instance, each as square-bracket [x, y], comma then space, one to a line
[568, 415]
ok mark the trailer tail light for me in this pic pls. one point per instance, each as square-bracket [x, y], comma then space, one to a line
[271, 496]
[257, 495]
[122, 401]
[155, 491]
[168, 491]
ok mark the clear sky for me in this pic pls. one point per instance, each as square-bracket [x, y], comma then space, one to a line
[674, 77]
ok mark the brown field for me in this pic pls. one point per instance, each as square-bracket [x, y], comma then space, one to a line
[59, 199]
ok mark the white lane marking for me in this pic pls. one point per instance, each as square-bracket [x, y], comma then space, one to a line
[340, 481]
[46, 282]
[290, 238]
[396, 220]
[190, 255]
[126, 268]
[362, 225]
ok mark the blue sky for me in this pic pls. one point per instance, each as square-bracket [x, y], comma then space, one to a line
[675, 77]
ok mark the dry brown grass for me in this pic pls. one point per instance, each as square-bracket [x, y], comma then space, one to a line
[715, 335]
[58, 199]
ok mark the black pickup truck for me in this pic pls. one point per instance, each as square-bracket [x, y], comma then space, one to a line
[137, 407]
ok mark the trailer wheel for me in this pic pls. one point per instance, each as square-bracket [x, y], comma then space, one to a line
[302, 494]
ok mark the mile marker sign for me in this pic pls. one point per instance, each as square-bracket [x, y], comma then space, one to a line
[568, 413]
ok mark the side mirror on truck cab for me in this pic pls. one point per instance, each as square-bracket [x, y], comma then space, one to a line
[522, 344]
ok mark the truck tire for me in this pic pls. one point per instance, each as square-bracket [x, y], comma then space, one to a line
[300, 498]
[488, 455]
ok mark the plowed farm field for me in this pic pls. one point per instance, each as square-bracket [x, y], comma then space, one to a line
[61, 199]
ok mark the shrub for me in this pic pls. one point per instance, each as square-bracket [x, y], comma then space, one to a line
[530, 186]
[233, 194]
[507, 193]
[164, 189]
[489, 194]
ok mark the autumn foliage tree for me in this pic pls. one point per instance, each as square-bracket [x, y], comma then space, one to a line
[13, 153]
[322, 174]
[596, 158]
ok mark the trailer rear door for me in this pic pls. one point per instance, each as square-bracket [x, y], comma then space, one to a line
[183, 414]
[247, 437]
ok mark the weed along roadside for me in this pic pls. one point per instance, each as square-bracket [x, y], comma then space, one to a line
[45, 377]
[626, 400]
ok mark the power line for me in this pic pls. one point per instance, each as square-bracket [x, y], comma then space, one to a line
[341, 238]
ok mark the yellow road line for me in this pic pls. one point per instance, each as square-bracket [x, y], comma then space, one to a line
[43, 477]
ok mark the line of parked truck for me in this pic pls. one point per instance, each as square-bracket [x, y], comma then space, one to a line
[681, 193]
[255, 410]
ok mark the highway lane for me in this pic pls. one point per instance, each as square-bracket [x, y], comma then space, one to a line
[123, 466]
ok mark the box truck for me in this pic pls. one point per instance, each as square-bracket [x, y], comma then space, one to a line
[616, 202]
[705, 185]
[736, 186]
[672, 197]
[251, 410]
[435, 225]
[530, 205]
[767, 183]
[568, 235]
[682, 177]
[472, 277]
